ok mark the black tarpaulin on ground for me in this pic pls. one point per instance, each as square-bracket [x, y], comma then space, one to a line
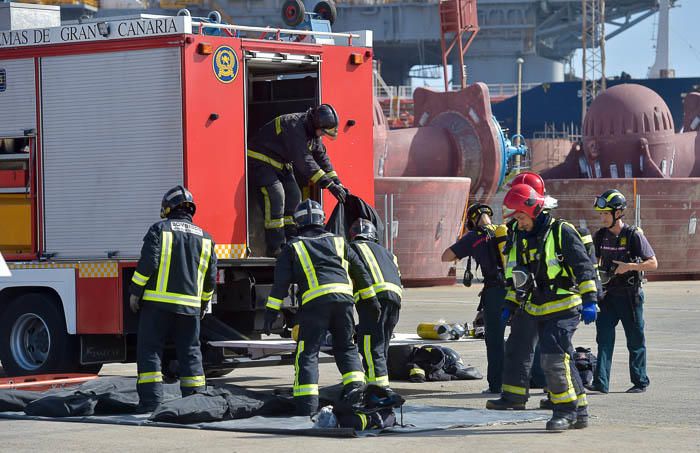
[113, 400]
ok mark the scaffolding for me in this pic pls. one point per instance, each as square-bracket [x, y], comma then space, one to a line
[593, 52]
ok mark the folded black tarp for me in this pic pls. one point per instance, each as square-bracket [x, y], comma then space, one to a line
[344, 214]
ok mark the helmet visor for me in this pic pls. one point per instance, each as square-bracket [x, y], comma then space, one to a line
[507, 212]
[331, 132]
[601, 203]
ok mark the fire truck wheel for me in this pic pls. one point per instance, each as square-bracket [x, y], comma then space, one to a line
[293, 12]
[326, 10]
[34, 338]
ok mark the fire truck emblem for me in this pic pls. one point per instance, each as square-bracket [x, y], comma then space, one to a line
[225, 64]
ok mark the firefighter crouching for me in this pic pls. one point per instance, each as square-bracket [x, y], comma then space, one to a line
[291, 142]
[484, 242]
[624, 252]
[551, 284]
[324, 268]
[172, 286]
[374, 335]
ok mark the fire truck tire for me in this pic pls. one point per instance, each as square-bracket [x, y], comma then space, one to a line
[326, 10]
[33, 338]
[293, 12]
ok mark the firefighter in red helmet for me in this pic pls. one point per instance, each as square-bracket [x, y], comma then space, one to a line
[551, 284]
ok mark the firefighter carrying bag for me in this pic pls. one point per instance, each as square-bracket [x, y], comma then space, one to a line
[344, 214]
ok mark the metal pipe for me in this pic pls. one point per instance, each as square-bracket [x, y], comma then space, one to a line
[520, 62]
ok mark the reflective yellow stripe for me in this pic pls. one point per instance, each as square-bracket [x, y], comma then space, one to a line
[372, 263]
[332, 174]
[363, 420]
[570, 394]
[386, 286]
[166, 251]
[554, 306]
[379, 381]
[203, 266]
[306, 264]
[288, 220]
[582, 400]
[367, 349]
[587, 239]
[367, 293]
[340, 250]
[514, 389]
[318, 175]
[147, 378]
[270, 223]
[193, 381]
[353, 376]
[278, 125]
[586, 286]
[300, 349]
[263, 158]
[322, 290]
[273, 303]
[306, 390]
[172, 298]
[139, 279]
[415, 371]
[207, 295]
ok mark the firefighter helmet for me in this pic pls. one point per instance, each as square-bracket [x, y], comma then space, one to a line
[530, 178]
[610, 200]
[324, 117]
[475, 211]
[177, 197]
[522, 198]
[363, 229]
[308, 213]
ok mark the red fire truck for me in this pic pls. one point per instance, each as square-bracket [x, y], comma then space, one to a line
[100, 118]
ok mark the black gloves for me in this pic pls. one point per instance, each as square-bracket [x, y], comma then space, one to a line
[338, 191]
[373, 307]
[270, 318]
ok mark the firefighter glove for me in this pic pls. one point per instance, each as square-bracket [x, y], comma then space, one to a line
[134, 303]
[270, 318]
[505, 315]
[374, 308]
[338, 192]
[589, 312]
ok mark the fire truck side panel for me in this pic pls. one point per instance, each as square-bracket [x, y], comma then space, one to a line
[215, 140]
[348, 87]
[112, 145]
[17, 96]
[99, 307]
[61, 280]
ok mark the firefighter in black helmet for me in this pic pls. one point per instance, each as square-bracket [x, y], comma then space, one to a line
[172, 286]
[373, 335]
[290, 143]
[624, 252]
[323, 267]
[485, 242]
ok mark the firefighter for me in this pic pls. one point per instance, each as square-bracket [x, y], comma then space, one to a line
[551, 284]
[373, 336]
[484, 242]
[323, 267]
[290, 143]
[172, 286]
[624, 253]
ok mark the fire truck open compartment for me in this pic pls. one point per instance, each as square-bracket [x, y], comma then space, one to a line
[275, 87]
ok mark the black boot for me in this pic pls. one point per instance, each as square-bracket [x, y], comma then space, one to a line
[559, 423]
[503, 404]
[581, 422]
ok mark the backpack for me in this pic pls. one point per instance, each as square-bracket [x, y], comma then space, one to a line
[586, 363]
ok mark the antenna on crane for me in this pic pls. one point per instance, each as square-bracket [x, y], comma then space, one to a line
[660, 68]
[593, 55]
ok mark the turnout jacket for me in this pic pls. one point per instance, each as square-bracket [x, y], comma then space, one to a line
[382, 267]
[324, 268]
[177, 267]
[289, 139]
[563, 272]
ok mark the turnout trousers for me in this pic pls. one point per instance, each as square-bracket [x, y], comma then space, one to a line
[278, 194]
[315, 319]
[619, 305]
[492, 299]
[556, 357]
[373, 339]
[156, 326]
